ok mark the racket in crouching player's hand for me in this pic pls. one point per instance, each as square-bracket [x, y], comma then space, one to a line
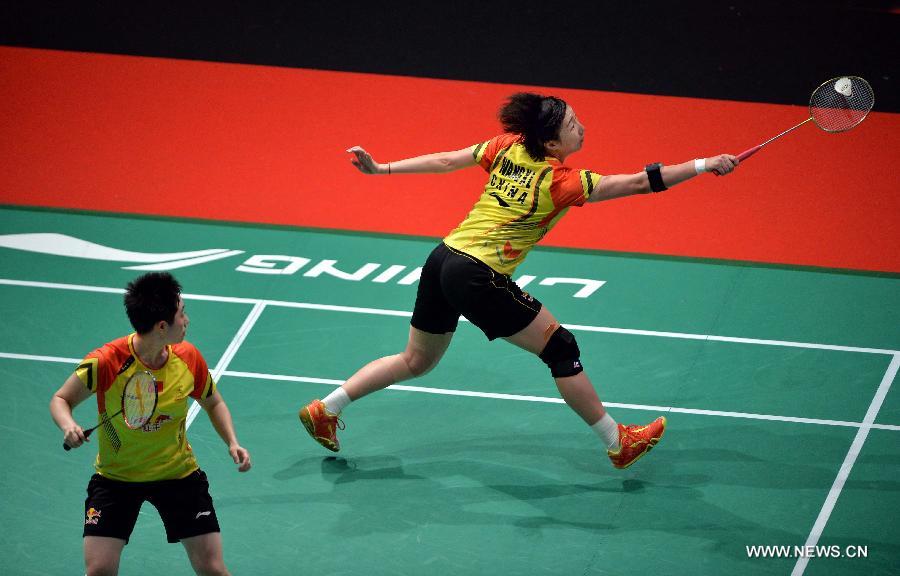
[139, 400]
[837, 105]
[721, 165]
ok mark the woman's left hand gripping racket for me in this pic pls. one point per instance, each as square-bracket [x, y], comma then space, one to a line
[138, 403]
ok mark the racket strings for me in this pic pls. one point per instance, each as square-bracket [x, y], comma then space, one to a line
[840, 108]
[139, 400]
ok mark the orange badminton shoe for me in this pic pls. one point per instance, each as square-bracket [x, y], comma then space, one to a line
[321, 424]
[635, 441]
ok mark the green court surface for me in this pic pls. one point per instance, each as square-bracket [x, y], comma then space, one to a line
[777, 384]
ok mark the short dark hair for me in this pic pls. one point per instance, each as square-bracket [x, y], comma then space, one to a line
[537, 118]
[151, 298]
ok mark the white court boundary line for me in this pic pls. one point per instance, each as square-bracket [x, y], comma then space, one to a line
[229, 354]
[552, 400]
[403, 313]
[849, 460]
[221, 370]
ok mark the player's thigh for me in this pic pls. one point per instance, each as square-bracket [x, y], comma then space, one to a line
[488, 299]
[111, 508]
[205, 553]
[102, 554]
[534, 337]
[427, 348]
[185, 506]
[432, 313]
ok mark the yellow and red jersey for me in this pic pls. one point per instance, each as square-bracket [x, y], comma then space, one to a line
[522, 200]
[159, 450]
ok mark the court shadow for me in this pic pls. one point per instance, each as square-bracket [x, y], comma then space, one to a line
[337, 465]
[532, 482]
[343, 470]
[748, 456]
[300, 468]
[337, 469]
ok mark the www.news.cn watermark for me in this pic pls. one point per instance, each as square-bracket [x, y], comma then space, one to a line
[833, 551]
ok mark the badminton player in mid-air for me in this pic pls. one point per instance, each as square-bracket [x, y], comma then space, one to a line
[152, 460]
[529, 188]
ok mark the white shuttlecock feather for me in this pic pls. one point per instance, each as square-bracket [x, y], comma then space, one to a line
[844, 86]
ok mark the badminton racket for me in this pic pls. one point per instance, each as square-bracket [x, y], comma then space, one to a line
[138, 403]
[837, 105]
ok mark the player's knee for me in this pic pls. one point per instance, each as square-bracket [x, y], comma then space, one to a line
[561, 354]
[210, 566]
[101, 568]
[419, 363]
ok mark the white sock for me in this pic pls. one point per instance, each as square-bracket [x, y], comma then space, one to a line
[607, 429]
[336, 401]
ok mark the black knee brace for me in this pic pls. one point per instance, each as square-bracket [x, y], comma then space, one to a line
[562, 355]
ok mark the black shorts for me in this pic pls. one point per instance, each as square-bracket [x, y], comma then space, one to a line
[185, 506]
[454, 283]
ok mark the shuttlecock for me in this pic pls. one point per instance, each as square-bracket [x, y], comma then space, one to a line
[844, 86]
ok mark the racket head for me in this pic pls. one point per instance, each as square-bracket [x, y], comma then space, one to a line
[841, 103]
[139, 399]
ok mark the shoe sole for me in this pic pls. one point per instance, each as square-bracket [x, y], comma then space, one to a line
[650, 444]
[306, 419]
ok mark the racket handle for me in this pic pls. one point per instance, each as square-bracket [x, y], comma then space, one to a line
[748, 153]
[87, 433]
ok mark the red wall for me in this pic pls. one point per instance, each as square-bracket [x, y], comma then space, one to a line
[260, 144]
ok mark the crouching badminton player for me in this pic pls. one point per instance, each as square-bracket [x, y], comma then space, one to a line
[529, 189]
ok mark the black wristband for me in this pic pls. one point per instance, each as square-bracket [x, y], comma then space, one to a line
[655, 177]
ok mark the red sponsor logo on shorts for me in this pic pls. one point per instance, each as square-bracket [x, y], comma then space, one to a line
[92, 516]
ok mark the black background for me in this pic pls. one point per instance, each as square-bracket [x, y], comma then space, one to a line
[762, 51]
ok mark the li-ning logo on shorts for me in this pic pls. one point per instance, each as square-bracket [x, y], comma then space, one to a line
[92, 516]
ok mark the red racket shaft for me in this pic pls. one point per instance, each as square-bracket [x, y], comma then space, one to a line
[748, 153]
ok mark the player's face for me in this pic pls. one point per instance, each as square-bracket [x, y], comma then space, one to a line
[571, 133]
[571, 136]
[178, 328]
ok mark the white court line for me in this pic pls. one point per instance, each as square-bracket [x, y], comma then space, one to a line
[849, 460]
[550, 400]
[12, 356]
[402, 313]
[220, 371]
[76, 287]
[732, 339]
[229, 353]
[260, 304]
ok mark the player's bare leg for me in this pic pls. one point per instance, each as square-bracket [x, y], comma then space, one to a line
[422, 353]
[205, 554]
[102, 555]
[577, 390]
[625, 444]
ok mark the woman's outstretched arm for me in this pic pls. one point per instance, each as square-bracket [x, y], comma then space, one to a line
[619, 185]
[436, 163]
